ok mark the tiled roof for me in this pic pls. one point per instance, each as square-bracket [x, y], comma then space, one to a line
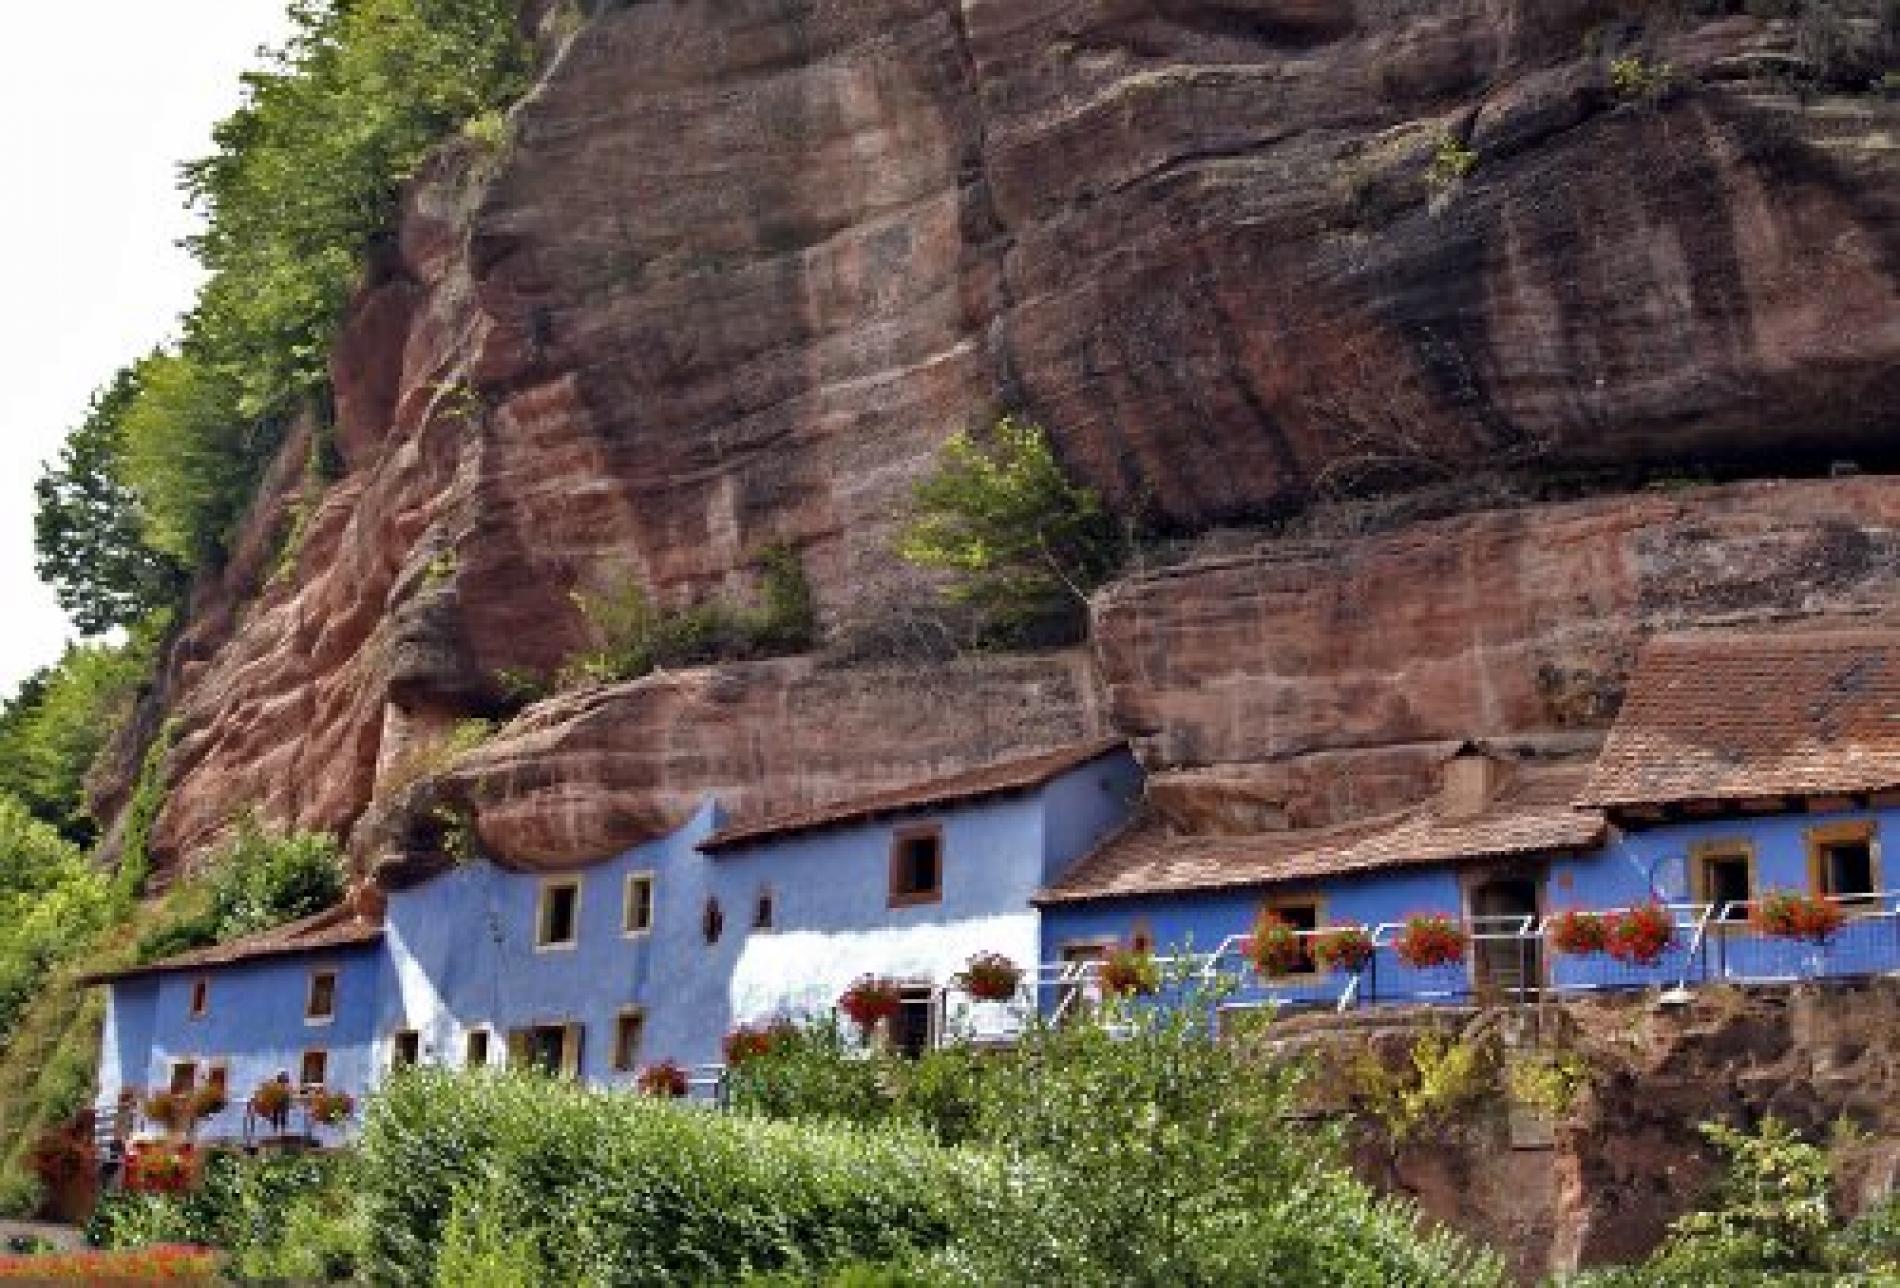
[1726, 718]
[337, 927]
[1530, 815]
[991, 780]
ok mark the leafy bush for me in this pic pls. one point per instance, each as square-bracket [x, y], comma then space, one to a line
[632, 637]
[256, 881]
[54, 727]
[611, 1188]
[52, 905]
[1022, 546]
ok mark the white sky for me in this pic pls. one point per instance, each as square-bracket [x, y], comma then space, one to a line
[101, 101]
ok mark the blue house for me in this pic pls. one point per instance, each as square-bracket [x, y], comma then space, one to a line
[1739, 767]
[650, 955]
[298, 1002]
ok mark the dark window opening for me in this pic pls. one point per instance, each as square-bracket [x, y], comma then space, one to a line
[1726, 885]
[560, 907]
[712, 922]
[184, 1077]
[1847, 869]
[407, 1052]
[910, 1028]
[552, 1049]
[321, 1004]
[917, 867]
[629, 1029]
[764, 913]
[219, 1079]
[639, 911]
[314, 1069]
[477, 1053]
[1303, 917]
[200, 997]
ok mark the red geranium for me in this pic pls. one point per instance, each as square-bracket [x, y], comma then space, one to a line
[59, 1156]
[1346, 948]
[168, 1263]
[1276, 948]
[271, 1102]
[1579, 933]
[871, 1000]
[663, 1081]
[1788, 914]
[749, 1042]
[158, 1168]
[168, 1109]
[331, 1108]
[1431, 939]
[990, 977]
[1130, 972]
[1640, 936]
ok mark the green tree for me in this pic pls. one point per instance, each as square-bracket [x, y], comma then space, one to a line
[53, 729]
[88, 530]
[1022, 545]
[51, 905]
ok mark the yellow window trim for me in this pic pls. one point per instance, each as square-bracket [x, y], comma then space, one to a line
[542, 944]
[1822, 835]
[638, 1013]
[627, 929]
[310, 1016]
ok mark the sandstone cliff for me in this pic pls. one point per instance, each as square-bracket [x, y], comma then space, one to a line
[741, 266]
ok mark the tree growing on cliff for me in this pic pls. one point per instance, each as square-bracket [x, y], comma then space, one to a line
[1021, 544]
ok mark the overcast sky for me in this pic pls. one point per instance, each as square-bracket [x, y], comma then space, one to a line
[102, 101]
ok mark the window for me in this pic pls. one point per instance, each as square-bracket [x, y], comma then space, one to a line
[910, 1030]
[764, 910]
[200, 998]
[637, 918]
[314, 1069]
[1303, 914]
[712, 922]
[917, 866]
[557, 924]
[320, 1002]
[475, 1049]
[553, 1049]
[218, 1078]
[629, 1029]
[406, 1051]
[1841, 861]
[1723, 875]
[184, 1077]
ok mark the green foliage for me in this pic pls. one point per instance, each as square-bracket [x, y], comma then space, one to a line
[88, 528]
[1440, 1076]
[255, 881]
[55, 726]
[1549, 1082]
[611, 1188]
[141, 811]
[438, 755]
[1022, 546]
[20, 1194]
[52, 904]
[1637, 79]
[632, 637]
[1452, 161]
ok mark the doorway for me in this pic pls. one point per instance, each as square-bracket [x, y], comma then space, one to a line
[1505, 963]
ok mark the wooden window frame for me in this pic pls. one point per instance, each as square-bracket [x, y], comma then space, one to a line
[1820, 837]
[899, 839]
[320, 1054]
[543, 904]
[487, 1033]
[1298, 899]
[630, 1014]
[1701, 853]
[652, 882]
[200, 1002]
[310, 1016]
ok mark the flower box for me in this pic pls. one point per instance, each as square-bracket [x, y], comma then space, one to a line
[169, 1110]
[990, 977]
[1788, 914]
[1128, 972]
[1276, 948]
[1578, 934]
[331, 1108]
[663, 1081]
[271, 1103]
[1641, 935]
[870, 1001]
[1347, 948]
[751, 1042]
[1430, 940]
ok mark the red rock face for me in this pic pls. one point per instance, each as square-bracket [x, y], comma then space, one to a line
[742, 267]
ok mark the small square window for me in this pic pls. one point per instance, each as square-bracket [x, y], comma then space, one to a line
[218, 1078]
[638, 914]
[475, 1054]
[1303, 916]
[184, 1077]
[629, 1030]
[320, 1003]
[917, 867]
[406, 1051]
[200, 998]
[314, 1069]
[1725, 879]
[1847, 869]
[558, 925]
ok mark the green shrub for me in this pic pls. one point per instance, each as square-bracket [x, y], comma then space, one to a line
[255, 881]
[55, 726]
[611, 1188]
[1021, 545]
[1452, 162]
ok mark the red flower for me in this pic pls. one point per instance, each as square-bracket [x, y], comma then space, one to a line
[749, 1043]
[990, 977]
[1431, 939]
[1276, 947]
[1346, 948]
[663, 1081]
[1579, 933]
[1788, 914]
[871, 1000]
[1640, 936]
[1129, 972]
[331, 1108]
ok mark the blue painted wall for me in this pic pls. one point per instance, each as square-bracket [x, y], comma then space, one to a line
[254, 1025]
[463, 956]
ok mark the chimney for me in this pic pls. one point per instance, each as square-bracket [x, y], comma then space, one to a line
[1471, 778]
